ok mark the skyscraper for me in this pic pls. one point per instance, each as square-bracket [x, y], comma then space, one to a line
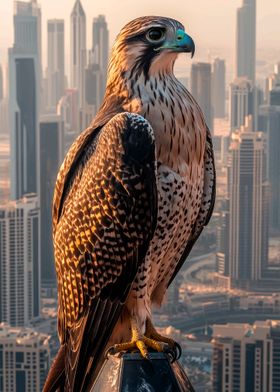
[201, 89]
[1, 84]
[246, 40]
[25, 359]
[241, 102]
[269, 122]
[19, 261]
[219, 88]
[24, 97]
[100, 49]
[55, 71]
[78, 49]
[27, 28]
[248, 194]
[245, 357]
[100, 42]
[51, 155]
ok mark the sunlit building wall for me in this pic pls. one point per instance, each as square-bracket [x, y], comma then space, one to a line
[19, 261]
[25, 359]
[248, 188]
[245, 357]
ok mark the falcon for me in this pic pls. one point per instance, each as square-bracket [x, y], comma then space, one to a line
[131, 198]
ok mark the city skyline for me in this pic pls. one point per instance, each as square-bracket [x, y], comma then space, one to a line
[197, 17]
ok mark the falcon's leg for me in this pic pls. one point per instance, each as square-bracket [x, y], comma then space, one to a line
[152, 333]
[138, 342]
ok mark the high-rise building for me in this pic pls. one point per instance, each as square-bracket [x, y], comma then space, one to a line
[274, 96]
[23, 107]
[19, 261]
[55, 71]
[51, 155]
[78, 49]
[246, 41]
[219, 88]
[269, 122]
[222, 255]
[100, 49]
[25, 359]
[100, 42]
[24, 97]
[241, 102]
[246, 357]
[67, 109]
[27, 28]
[272, 81]
[201, 89]
[1, 84]
[248, 195]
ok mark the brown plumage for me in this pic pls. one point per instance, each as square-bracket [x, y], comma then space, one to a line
[132, 196]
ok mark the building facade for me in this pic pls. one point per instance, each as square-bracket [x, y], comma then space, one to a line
[25, 359]
[241, 102]
[20, 261]
[246, 41]
[25, 97]
[246, 357]
[269, 122]
[100, 50]
[219, 88]
[51, 154]
[78, 56]
[248, 196]
[56, 68]
[201, 89]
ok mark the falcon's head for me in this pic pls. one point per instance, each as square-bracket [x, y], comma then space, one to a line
[149, 45]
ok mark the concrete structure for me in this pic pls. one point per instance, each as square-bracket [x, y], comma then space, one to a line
[219, 88]
[24, 97]
[274, 96]
[246, 41]
[246, 357]
[56, 69]
[241, 102]
[100, 49]
[269, 122]
[19, 261]
[1, 84]
[51, 154]
[201, 89]
[248, 195]
[222, 255]
[25, 359]
[78, 49]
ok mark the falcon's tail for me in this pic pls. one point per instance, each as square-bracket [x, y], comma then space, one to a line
[56, 377]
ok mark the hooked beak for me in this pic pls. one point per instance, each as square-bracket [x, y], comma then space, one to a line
[183, 43]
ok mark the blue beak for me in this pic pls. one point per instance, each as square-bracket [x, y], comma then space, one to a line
[182, 43]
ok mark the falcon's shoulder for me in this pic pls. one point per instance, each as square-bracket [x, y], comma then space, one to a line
[107, 217]
[207, 202]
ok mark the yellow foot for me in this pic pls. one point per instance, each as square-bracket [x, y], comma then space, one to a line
[138, 342]
[142, 343]
[152, 339]
[175, 348]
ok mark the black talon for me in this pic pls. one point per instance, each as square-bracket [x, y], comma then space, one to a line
[110, 351]
[171, 354]
[178, 350]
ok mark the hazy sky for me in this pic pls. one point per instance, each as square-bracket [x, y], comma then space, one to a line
[210, 22]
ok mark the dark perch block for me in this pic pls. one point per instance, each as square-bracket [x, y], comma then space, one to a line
[132, 373]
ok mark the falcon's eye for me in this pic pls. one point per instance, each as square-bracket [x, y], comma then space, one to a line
[155, 35]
